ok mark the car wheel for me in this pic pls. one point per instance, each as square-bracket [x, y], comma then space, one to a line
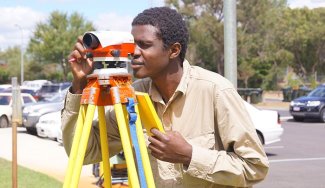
[260, 137]
[4, 122]
[298, 118]
[322, 115]
[31, 130]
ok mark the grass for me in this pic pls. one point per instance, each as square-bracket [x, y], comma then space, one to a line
[26, 178]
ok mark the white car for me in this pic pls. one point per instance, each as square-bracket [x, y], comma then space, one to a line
[49, 126]
[4, 87]
[35, 84]
[267, 124]
[6, 106]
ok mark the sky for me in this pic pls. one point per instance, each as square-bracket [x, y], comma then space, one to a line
[18, 18]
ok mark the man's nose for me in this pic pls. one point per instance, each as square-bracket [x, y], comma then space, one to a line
[137, 52]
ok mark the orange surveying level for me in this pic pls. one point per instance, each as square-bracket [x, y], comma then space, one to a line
[110, 84]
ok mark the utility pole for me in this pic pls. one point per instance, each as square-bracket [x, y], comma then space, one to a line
[230, 40]
[21, 55]
[16, 120]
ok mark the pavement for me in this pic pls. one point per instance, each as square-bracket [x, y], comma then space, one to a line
[41, 155]
[273, 100]
[49, 157]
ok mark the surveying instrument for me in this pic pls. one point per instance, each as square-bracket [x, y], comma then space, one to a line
[110, 84]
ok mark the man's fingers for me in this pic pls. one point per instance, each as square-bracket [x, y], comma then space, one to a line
[75, 56]
[154, 141]
[78, 46]
[160, 136]
[153, 149]
[80, 39]
[90, 62]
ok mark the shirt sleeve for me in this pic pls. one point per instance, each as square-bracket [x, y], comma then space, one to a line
[242, 162]
[69, 117]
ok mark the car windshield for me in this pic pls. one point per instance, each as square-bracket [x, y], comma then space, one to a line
[27, 91]
[318, 92]
[49, 88]
[5, 100]
[27, 99]
[58, 97]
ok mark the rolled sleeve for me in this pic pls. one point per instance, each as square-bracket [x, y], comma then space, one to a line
[200, 164]
[72, 102]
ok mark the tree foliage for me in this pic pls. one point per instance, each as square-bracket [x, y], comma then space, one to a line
[53, 40]
[204, 19]
[270, 37]
[303, 34]
[10, 62]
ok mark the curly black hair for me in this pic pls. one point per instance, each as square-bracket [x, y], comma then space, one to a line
[170, 24]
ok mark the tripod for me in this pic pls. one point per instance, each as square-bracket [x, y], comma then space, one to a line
[112, 86]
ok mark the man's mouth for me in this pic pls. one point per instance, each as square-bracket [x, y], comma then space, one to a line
[136, 63]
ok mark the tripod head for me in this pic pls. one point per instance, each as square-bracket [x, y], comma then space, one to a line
[109, 49]
[111, 52]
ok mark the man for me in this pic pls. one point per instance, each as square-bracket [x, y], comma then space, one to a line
[210, 140]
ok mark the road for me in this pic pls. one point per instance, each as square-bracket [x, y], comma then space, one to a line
[298, 160]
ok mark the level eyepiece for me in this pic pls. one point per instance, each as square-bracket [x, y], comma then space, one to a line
[90, 41]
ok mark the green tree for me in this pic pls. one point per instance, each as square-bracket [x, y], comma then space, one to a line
[10, 59]
[204, 20]
[257, 43]
[245, 71]
[52, 41]
[303, 34]
[257, 46]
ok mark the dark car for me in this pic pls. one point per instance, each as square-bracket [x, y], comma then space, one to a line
[311, 106]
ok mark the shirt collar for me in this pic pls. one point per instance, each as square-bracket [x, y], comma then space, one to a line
[182, 86]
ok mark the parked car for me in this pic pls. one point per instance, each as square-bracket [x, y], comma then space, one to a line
[22, 90]
[32, 113]
[267, 124]
[4, 87]
[35, 84]
[311, 106]
[49, 126]
[48, 90]
[6, 106]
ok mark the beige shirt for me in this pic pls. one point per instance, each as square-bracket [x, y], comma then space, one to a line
[211, 116]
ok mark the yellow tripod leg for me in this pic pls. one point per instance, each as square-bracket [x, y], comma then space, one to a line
[83, 146]
[101, 168]
[104, 146]
[126, 144]
[143, 151]
[148, 113]
[75, 146]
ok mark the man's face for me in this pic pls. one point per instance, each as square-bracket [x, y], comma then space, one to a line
[150, 57]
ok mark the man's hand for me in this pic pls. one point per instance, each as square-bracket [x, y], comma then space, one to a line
[81, 66]
[170, 147]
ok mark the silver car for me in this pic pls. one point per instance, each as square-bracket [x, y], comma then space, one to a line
[32, 113]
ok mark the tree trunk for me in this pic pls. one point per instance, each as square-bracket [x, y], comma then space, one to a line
[63, 66]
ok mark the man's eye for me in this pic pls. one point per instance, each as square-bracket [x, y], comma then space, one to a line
[144, 45]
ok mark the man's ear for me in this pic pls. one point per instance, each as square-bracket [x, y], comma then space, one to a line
[175, 50]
